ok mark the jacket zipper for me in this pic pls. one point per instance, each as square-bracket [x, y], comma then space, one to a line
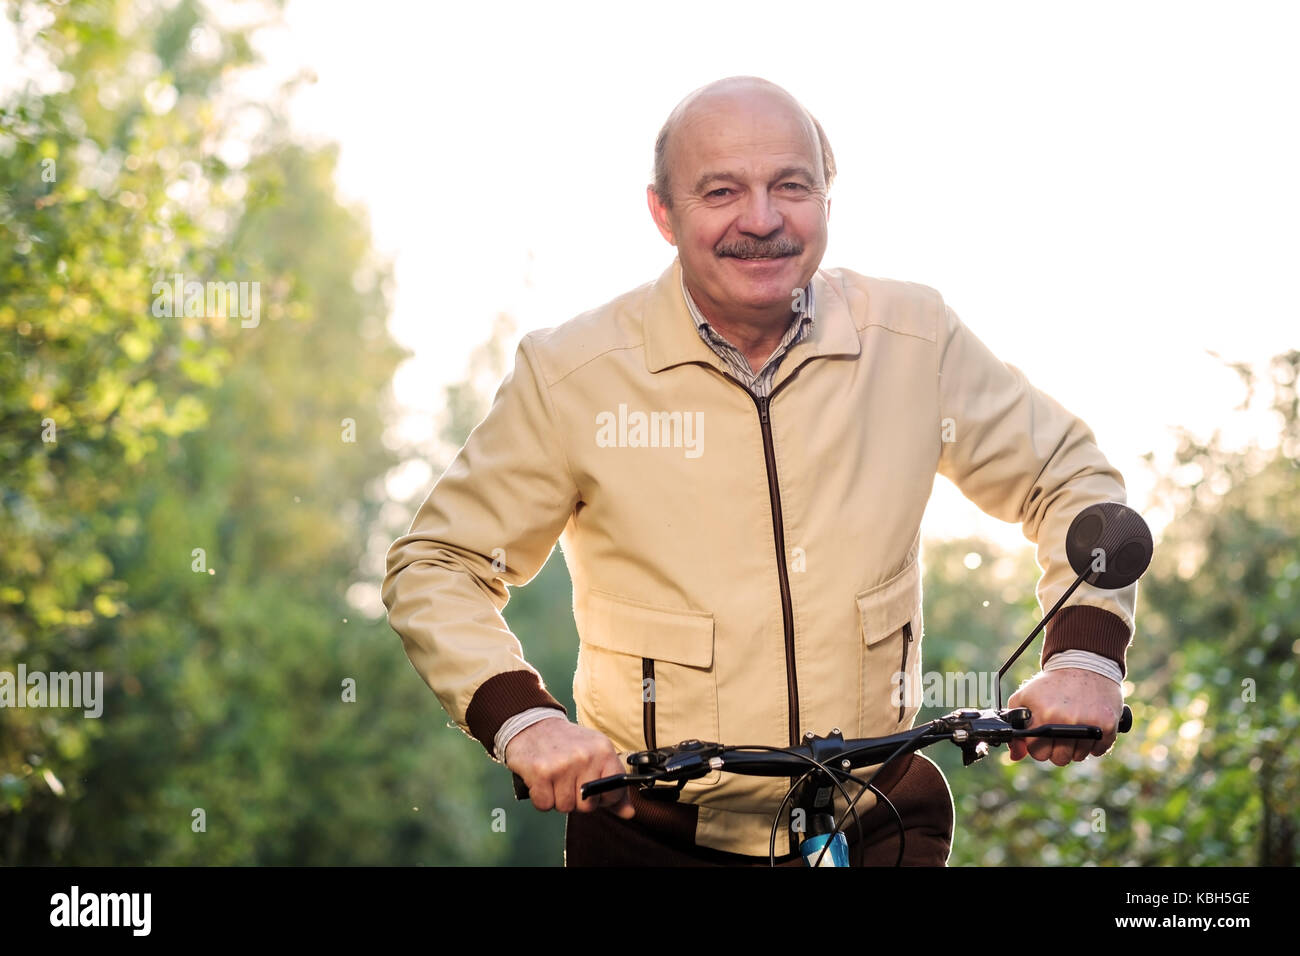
[648, 704]
[907, 639]
[783, 571]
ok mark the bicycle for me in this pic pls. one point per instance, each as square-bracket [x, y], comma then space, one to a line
[826, 763]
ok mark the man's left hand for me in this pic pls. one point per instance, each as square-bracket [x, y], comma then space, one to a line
[1070, 695]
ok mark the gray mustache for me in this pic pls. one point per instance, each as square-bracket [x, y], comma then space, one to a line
[751, 249]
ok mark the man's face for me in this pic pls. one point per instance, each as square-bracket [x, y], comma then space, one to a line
[749, 209]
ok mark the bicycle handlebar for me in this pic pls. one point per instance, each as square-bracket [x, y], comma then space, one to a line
[972, 730]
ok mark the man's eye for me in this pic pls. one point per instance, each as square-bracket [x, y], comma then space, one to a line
[718, 192]
[795, 185]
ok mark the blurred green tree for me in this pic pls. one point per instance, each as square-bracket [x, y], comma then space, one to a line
[130, 440]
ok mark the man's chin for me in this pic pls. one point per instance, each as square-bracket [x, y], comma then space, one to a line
[763, 281]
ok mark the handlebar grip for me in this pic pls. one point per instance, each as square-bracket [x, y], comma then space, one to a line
[521, 788]
[1126, 720]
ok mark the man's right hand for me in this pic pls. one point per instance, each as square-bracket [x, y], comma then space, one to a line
[555, 757]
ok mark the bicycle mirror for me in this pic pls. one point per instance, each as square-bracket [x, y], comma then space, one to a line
[1110, 543]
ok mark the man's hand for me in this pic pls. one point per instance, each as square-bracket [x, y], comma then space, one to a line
[1070, 695]
[556, 757]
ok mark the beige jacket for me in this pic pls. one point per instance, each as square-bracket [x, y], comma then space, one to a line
[744, 570]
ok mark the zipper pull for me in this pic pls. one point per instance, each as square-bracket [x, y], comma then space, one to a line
[907, 639]
[762, 408]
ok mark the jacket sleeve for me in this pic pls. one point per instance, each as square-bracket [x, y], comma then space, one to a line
[1021, 457]
[491, 520]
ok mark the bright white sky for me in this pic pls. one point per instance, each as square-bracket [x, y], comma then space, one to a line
[1103, 192]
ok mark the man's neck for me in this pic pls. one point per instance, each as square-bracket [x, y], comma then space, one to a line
[757, 345]
[756, 338]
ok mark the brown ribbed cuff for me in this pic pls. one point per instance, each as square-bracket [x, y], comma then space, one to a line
[1086, 628]
[499, 698]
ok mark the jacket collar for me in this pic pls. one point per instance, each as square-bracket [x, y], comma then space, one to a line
[671, 337]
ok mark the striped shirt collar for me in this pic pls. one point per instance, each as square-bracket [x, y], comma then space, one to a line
[760, 382]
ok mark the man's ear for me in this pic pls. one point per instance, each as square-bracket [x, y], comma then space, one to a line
[828, 208]
[659, 213]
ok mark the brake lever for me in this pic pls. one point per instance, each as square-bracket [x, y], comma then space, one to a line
[653, 760]
[688, 761]
[591, 787]
[1017, 720]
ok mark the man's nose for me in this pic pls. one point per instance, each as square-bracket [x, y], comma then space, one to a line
[759, 216]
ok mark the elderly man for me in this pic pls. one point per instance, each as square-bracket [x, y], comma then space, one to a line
[735, 458]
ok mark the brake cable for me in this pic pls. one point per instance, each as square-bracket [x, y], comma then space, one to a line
[776, 820]
[914, 743]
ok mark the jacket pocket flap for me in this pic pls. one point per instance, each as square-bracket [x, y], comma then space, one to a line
[885, 609]
[644, 630]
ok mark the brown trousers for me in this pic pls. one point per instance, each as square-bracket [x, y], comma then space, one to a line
[664, 834]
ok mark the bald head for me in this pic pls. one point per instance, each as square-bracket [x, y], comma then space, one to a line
[742, 94]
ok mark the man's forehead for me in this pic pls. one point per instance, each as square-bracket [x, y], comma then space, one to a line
[733, 125]
[743, 109]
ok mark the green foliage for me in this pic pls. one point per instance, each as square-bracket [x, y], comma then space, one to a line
[260, 445]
